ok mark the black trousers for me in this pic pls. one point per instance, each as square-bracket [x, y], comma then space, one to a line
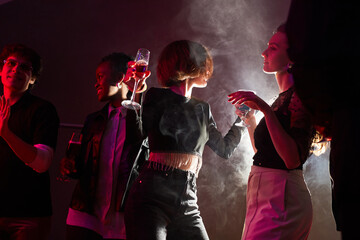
[163, 205]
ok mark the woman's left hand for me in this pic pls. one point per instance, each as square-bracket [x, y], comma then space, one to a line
[250, 99]
[132, 75]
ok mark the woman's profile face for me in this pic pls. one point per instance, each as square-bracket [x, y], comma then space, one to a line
[275, 56]
[199, 82]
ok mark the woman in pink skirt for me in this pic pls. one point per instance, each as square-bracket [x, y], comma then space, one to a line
[278, 201]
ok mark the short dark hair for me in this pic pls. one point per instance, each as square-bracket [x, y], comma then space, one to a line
[183, 59]
[25, 52]
[118, 62]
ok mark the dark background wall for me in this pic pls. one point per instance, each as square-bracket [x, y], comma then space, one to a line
[72, 37]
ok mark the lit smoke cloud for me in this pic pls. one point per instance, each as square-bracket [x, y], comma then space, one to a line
[236, 32]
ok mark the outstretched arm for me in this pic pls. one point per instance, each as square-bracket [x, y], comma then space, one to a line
[223, 146]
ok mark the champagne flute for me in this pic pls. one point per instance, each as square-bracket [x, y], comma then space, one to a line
[72, 151]
[141, 65]
[74, 145]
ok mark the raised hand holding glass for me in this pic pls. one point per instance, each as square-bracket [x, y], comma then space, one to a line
[141, 65]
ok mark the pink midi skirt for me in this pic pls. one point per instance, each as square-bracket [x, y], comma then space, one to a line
[278, 205]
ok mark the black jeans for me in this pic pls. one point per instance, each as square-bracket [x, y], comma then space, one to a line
[163, 205]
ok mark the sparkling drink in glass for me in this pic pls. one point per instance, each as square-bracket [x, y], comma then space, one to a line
[141, 65]
[74, 145]
[244, 109]
[72, 151]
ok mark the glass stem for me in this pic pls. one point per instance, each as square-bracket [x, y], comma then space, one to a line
[134, 91]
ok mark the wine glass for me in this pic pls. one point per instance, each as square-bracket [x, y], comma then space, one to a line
[72, 151]
[141, 65]
[244, 109]
[74, 145]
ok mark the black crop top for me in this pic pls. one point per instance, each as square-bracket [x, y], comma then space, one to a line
[174, 123]
[296, 121]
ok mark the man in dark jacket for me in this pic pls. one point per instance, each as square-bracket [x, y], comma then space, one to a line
[111, 140]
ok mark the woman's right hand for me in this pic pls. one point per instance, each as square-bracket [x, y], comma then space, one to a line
[250, 99]
[132, 75]
[248, 117]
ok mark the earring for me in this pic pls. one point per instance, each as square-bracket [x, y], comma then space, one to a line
[120, 81]
[289, 67]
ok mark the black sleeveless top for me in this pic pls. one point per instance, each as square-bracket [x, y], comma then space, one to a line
[295, 120]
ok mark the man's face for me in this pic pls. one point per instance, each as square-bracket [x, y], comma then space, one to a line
[105, 82]
[16, 74]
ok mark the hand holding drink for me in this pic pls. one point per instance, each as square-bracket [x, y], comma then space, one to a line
[245, 107]
[67, 164]
[138, 72]
[243, 112]
[74, 145]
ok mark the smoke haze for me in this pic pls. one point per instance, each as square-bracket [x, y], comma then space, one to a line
[73, 37]
[236, 33]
